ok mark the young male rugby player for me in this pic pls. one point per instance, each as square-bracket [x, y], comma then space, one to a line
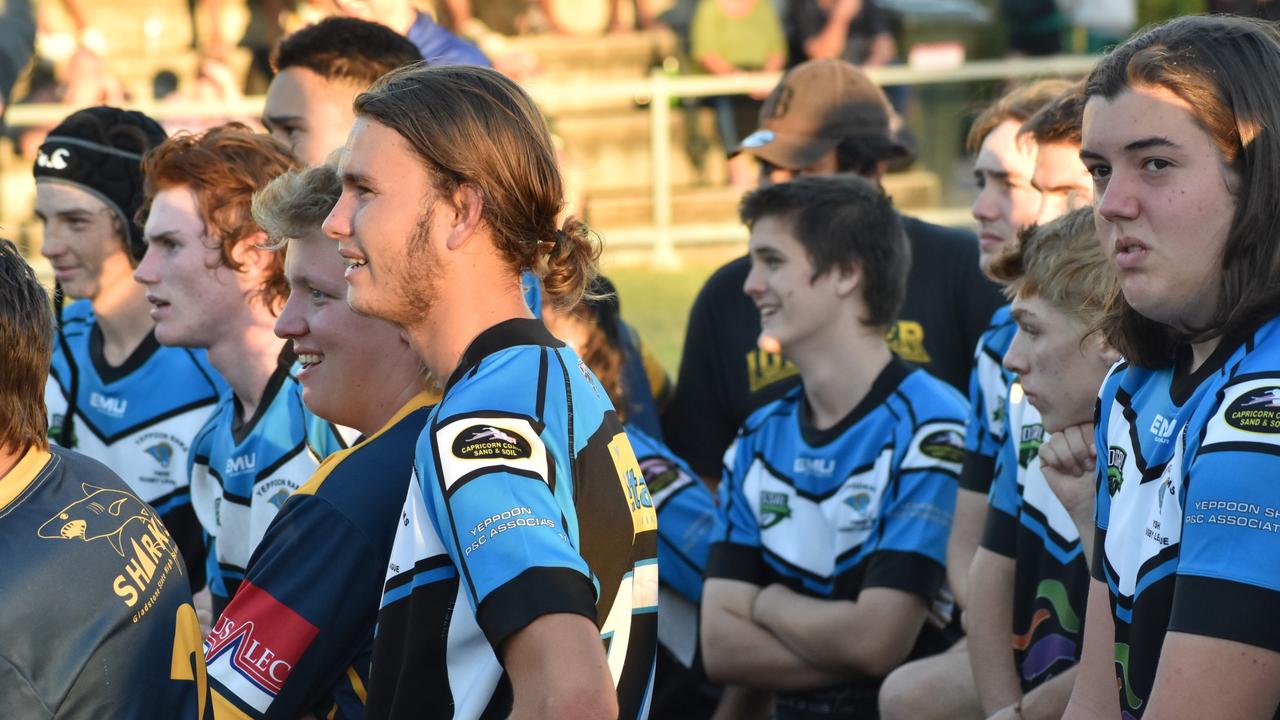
[106, 361]
[97, 620]
[837, 498]
[523, 581]
[211, 286]
[311, 588]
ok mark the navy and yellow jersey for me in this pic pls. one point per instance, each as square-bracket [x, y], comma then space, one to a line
[988, 391]
[686, 515]
[1028, 524]
[96, 618]
[242, 472]
[139, 418]
[1188, 522]
[865, 503]
[527, 500]
[298, 635]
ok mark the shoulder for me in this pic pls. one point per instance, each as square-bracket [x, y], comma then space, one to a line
[507, 381]
[352, 478]
[84, 469]
[932, 399]
[780, 411]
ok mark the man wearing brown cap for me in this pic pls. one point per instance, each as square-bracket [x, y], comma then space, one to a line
[825, 117]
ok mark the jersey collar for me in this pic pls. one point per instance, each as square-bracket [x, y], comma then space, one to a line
[506, 334]
[881, 388]
[17, 480]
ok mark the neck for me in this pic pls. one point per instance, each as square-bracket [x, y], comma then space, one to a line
[463, 310]
[246, 360]
[9, 458]
[1201, 351]
[124, 315]
[401, 19]
[384, 411]
[838, 370]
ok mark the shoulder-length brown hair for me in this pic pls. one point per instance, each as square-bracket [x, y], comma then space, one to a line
[1225, 69]
[26, 344]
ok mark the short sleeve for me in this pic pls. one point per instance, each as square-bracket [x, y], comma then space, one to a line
[1229, 563]
[735, 545]
[1102, 502]
[915, 521]
[1000, 534]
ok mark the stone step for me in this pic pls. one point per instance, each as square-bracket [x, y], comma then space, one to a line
[611, 152]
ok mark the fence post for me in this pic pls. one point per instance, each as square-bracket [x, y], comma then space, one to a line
[664, 254]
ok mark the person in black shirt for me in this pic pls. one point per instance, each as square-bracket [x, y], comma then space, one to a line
[825, 117]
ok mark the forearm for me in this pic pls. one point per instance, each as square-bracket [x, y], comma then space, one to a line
[1094, 693]
[830, 42]
[1049, 700]
[990, 630]
[1088, 529]
[962, 543]
[737, 651]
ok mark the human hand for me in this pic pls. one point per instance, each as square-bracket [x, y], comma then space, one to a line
[1068, 459]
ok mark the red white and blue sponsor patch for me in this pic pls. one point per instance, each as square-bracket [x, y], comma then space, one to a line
[255, 645]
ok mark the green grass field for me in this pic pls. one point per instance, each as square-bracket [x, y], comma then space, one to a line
[657, 303]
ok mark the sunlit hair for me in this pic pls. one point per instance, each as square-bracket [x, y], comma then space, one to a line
[26, 345]
[1059, 121]
[1224, 68]
[842, 221]
[223, 167]
[472, 126]
[1062, 263]
[1018, 105]
[292, 207]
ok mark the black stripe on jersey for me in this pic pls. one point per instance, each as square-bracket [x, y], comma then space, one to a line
[991, 353]
[735, 562]
[242, 429]
[815, 497]
[533, 593]
[150, 421]
[1060, 543]
[297, 450]
[1000, 533]
[911, 411]
[1148, 474]
[409, 674]
[406, 576]
[481, 472]
[1098, 568]
[1227, 610]
[1240, 446]
[781, 406]
[463, 568]
[541, 402]
[907, 571]
[111, 373]
[977, 473]
[213, 384]
[940, 470]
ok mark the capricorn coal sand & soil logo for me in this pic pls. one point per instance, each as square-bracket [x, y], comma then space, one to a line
[774, 508]
[1255, 411]
[1116, 457]
[945, 445]
[489, 442]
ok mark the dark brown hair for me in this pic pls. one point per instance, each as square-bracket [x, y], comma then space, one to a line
[1018, 105]
[341, 48]
[474, 126]
[1224, 68]
[224, 166]
[26, 345]
[1060, 120]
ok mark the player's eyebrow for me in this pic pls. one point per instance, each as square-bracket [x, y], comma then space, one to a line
[351, 178]
[270, 120]
[1021, 315]
[167, 235]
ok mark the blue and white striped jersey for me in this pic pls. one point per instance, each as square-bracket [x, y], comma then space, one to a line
[527, 500]
[988, 392]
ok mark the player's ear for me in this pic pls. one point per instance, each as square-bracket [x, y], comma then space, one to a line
[848, 278]
[467, 207]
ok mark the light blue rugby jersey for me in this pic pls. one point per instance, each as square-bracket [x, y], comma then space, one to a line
[988, 394]
[866, 503]
[1188, 507]
[528, 500]
[139, 418]
[241, 473]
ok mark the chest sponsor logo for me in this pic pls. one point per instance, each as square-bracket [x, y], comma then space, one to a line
[1256, 411]
[822, 467]
[774, 508]
[906, 340]
[486, 442]
[659, 473]
[242, 463]
[1116, 457]
[132, 530]
[1030, 438]
[113, 406]
[261, 638]
[944, 445]
[634, 487]
[1162, 428]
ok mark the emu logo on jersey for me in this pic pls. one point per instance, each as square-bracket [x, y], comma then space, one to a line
[944, 445]
[1116, 457]
[486, 442]
[823, 467]
[162, 452]
[112, 406]
[1029, 442]
[1257, 411]
[100, 514]
[242, 463]
[774, 508]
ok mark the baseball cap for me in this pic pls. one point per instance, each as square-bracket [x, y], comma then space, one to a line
[99, 150]
[817, 105]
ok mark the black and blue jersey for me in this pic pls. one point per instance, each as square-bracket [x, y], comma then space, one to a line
[1188, 514]
[309, 600]
[865, 503]
[242, 472]
[1027, 523]
[96, 619]
[989, 385]
[138, 418]
[527, 500]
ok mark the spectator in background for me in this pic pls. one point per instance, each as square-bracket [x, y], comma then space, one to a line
[856, 31]
[17, 42]
[436, 44]
[731, 36]
[319, 71]
[1035, 26]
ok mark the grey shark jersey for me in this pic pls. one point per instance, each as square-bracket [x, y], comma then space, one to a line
[1188, 511]
[828, 513]
[527, 499]
[138, 418]
[242, 472]
[96, 619]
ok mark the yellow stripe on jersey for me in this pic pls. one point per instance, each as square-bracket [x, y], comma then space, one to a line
[224, 710]
[22, 475]
[356, 684]
[421, 400]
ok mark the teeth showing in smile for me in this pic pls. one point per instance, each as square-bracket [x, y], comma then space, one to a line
[351, 263]
[309, 359]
